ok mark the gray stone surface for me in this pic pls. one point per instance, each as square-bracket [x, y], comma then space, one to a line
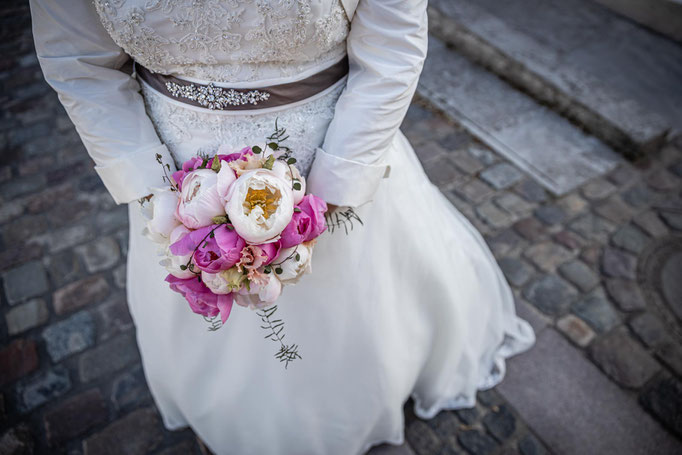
[630, 238]
[70, 336]
[545, 145]
[552, 386]
[107, 358]
[622, 359]
[576, 330]
[619, 264]
[549, 294]
[595, 65]
[650, 330]
[516, 270]
[26, 316]
[26, 281]
[663, 397]
[626, 294]
[578, 273]
[501, 175]
[138, 433]
[595, 309]
[43, 388]
[547, 256]
[100, 254]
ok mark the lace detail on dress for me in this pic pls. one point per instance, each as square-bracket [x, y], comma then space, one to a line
[227, 40]
[189, 131]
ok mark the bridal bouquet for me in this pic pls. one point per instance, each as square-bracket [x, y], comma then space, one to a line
[236, 227]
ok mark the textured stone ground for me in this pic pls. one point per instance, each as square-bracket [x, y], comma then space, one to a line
[588, 269]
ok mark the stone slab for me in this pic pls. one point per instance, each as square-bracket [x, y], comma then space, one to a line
[574, 408]
[580, 56]
[540, 142]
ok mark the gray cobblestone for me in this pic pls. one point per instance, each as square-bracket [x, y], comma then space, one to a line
[476, 442]
[672, 219]
[663, 398]
[549, 294]
[572, 205]
[26, 281]
[107, 358]
[79, 294]
[630, 238]
[623, 359]
[64, 267]
[531, 191]
[639, 196]
[626, 294]
[598, 188]
[501, 175]
[474, 191]
[662, 180]
[651, 223]
[500, 422]
[550, 214]
[531, 229]
[547, 256]
[43, 388]
[130, 389]
[671, 355]
[484, 155]
[593, 228]
[614, 210]
[529, 445]
[595, 309]
[492, 215]
[137, 433]
[649, 330]
[70, 336]
[619, 264]
[513, 204]
[100, 254]
[578, 273]
[576, 330]
[516, 271]
[466, 162]
[26, 316]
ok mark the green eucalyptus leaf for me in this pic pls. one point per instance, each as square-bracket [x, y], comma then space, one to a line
[291, 160]
[256, 149]
[273, 145]
[297, 186]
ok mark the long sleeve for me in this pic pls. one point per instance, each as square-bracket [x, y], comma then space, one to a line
[387, 46]
[82, 63]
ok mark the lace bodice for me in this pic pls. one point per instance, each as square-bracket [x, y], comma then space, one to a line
[227, 40]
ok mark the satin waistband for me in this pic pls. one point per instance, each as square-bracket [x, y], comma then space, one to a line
[218, 97]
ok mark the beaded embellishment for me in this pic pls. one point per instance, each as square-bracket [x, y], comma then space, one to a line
[216, 98]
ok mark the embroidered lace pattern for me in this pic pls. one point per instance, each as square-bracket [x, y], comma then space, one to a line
[227, 40]
[180, 127]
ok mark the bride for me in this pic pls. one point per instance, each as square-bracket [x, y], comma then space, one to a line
[410, 304]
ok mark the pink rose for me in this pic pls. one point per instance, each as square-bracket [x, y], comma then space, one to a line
[306, 224]
[201, 300]
[211, 253]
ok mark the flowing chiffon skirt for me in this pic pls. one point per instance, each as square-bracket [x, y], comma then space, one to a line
[412, 303]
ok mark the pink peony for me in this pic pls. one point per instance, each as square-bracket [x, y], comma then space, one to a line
[211, 253]
[187, 167]
[201, 300]
[306, 224]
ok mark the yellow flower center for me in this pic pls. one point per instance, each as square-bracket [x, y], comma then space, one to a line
[266, 198]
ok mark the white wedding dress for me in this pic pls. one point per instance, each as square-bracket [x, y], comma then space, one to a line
[412, 303]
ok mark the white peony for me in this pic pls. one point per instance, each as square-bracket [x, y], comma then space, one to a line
[289, 173]
[297, 262]
[225, 281]
[260, 205]
[172, 263]
[199, 201]
[261, 294]
[160, 215]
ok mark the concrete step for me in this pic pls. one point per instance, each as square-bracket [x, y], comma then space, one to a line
[664, 16]
[618, 80]
[548, 147]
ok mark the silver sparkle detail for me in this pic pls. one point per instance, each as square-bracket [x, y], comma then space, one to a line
[216, 98]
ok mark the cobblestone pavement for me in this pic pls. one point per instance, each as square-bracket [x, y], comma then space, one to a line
[598, 265]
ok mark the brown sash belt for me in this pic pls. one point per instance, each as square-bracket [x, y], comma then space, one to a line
[216, 97]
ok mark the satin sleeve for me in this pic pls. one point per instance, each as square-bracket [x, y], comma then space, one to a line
[82, 64]
[387, 46]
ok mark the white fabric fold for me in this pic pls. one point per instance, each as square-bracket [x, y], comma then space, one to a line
[344, 182]
[130, 177]
[387, 46]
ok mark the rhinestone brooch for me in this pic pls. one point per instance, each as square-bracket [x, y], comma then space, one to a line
[215, 98]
